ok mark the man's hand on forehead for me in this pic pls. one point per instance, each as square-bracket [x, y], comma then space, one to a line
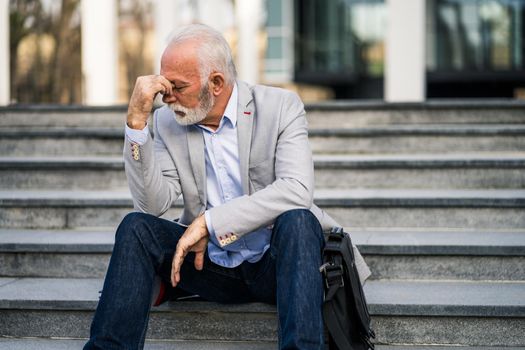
[141, 101]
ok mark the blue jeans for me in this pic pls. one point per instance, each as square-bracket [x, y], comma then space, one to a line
[287, 275]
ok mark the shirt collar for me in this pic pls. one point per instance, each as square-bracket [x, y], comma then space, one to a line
[230, 112]
[231, 108]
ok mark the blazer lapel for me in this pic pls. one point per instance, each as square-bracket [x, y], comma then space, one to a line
[245, 122]
[198, 162]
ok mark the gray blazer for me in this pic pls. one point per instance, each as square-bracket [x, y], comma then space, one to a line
[276, 166]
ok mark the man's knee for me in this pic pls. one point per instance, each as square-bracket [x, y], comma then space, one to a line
[299, 224]
[299, 218]
[131, 227]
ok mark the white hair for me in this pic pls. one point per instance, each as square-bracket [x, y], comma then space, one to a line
[213, 51]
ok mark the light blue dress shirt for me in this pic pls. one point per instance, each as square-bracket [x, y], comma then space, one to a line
[223, 183]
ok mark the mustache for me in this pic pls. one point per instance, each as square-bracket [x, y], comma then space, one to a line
[177, 107]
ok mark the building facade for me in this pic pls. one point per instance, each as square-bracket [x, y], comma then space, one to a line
[396, 50]
[472, 48]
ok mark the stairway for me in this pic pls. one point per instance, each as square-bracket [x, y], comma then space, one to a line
[433, 194]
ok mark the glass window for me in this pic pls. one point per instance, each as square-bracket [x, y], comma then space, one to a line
[278, 56]
[275, 49]
[473, 35]
[274, 18]
[340, 36]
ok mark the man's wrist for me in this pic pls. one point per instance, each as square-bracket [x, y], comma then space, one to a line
[136, 124]
[139, 137]
[204, 224]
[207, 222]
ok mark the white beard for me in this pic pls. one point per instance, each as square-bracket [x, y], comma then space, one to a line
[191, 116]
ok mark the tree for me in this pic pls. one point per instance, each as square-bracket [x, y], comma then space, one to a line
[46, 77]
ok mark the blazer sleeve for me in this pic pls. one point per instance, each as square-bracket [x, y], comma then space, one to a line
[293, 185]
[152, 175]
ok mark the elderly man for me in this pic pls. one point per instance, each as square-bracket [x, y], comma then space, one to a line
[249, 232]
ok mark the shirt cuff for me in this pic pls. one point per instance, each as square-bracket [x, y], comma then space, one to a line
[211, 231]
[139, 137]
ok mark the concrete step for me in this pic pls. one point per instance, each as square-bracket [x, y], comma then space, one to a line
[343, 114]
[424, 208]
[391, 254]
[425, 171]
[77, 344]
[38, 141]
[436, 171]
[448, 138]
[87, 173]
[58, 253]
[430, 138]
[332, 114]
[357, 208]
[439, 347]
[62, 116]
[443, 254]
[403, 312]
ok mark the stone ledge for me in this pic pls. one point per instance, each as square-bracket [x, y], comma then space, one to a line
[510, 160]
[508, 198]
[327, 105]
[436, 104]
[405, 298]
[420, 198]
[432, 242]
[44, 163]
[63, 132]
[56, 241]
[401, 242]
[375, 131]
[61, 108]
[423, 130]
[421, 161]
[77, 344]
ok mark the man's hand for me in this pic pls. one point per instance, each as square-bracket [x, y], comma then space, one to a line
[194, 239]
[141, 102]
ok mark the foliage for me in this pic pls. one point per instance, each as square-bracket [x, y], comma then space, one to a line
[45, 52]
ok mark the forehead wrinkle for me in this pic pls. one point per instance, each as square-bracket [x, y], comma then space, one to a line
[181, 59]
[181, 72]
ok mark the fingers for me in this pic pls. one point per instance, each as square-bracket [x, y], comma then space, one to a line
[167, 86]
[194, 239]
[178, 259]
[146, 87]
[154, 84]
[144, 92]
[199, 261]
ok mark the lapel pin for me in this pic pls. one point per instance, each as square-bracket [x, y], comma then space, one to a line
[248, 113]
